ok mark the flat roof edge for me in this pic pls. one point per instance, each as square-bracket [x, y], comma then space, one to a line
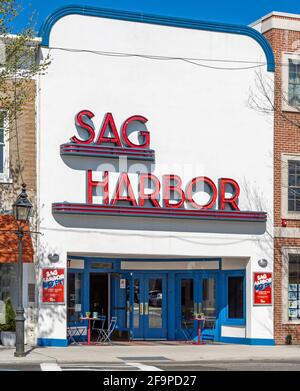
[274, 13]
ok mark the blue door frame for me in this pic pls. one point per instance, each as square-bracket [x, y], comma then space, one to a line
[149, 308]
[185, 326]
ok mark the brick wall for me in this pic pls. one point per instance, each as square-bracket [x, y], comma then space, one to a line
[286, 140]
[23, 139]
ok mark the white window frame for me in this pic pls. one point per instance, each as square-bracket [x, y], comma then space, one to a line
[286, 251]
[285, 213]
[4, 177]
[285, 81]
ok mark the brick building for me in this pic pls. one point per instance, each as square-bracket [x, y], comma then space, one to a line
[283, 32]
[17, 165]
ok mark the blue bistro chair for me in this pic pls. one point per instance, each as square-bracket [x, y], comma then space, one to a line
[99, 330]
[108, 332]
[187, 329]
[76, 330]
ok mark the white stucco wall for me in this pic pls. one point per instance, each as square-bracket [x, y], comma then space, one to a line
[200, 124]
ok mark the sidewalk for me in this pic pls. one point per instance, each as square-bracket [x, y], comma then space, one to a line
[156, 352]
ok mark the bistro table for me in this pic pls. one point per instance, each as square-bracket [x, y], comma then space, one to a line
[199, 320]
[89, 319]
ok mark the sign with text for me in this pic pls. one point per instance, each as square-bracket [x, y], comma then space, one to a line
[146, 194]
[53, 288]
[262, 288]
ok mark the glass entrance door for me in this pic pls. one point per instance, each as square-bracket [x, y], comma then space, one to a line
[208, 298]
[149, 306]
[121, 292]
[196, 293]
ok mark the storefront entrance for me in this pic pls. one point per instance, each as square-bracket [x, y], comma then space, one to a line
[196, 293]
[149, 303]
[157, 305]
[99, 294]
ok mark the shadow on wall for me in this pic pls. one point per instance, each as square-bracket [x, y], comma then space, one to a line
[50, 316]
[266, 324]
[158, 224]
[255, 200]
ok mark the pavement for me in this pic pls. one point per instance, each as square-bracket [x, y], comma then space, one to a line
[155, 352]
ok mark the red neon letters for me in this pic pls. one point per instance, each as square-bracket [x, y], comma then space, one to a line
[172, 185]
[85, 125]
[109, 124]
[152, 197]
[213, 192]
[173, 196]
[149, 186]
[95, 184]
[124, 184]
[144, 134]
[108, 131]
[224, 184]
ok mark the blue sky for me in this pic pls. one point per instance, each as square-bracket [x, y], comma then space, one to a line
[230, 11]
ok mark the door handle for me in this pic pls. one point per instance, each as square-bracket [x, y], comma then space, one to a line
[141, 308]
[200, 308]
[129, 308]
[195, 308]
[146, 311]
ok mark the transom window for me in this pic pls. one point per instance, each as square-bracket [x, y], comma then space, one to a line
[294, 82]
[294, 186]
[294, 287]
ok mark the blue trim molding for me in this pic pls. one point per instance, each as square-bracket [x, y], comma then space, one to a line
[248, 341]
[158, 20]
[52, 342]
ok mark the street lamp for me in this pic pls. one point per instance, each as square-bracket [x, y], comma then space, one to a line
[21, 209]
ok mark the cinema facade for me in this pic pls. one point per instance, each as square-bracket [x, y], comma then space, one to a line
[155, 178]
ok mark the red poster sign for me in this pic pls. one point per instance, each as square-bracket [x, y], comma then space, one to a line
[262, 285]
[53, 286]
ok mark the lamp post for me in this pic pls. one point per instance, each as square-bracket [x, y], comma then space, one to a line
[21, 209]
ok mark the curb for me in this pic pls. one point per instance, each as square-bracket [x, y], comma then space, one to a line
[169, 362]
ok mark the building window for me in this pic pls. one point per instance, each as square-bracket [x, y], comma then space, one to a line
[294, 288]
[290, 186]
[8, 283]
[294, 186]
[294, 83]
[291, 82]
[75, 294]
[235, 297]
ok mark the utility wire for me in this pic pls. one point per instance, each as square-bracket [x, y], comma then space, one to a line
[193, 61]
[169, 58]
[222, 68]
